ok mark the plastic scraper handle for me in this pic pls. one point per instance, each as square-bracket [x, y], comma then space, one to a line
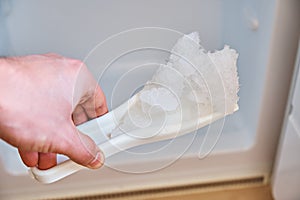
[98, 129]
[105, 125]
[109, 148]
[69, 167]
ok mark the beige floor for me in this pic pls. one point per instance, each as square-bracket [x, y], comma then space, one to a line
[250, 193]
[234, 192]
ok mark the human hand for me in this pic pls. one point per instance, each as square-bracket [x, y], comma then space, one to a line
[43, 97]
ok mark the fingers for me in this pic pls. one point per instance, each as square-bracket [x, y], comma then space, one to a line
[95, 106]
[88, 94]
[79, 116]
[76, 92]
[79, 147]
[82, 149]
[46, 160]
[40, 160]
[30, 159]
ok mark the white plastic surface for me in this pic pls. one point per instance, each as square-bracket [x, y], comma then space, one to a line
[286, 175]
[28, 29]
[247, 143]
[104, 125]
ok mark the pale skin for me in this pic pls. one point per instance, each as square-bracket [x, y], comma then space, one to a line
[43, 98]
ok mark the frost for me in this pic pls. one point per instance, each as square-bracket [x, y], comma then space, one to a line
[193, 79]
[159, 97]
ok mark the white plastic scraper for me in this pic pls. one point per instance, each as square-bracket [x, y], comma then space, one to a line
[193, 89]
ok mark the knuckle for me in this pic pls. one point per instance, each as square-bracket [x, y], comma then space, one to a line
[76, 63]
[52, 55]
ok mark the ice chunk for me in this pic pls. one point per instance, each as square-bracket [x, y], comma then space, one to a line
[159, 97]
[198, 81]
[168, 76]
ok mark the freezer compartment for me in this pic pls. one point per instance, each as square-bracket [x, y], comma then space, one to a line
[131, 53]
[122, 44]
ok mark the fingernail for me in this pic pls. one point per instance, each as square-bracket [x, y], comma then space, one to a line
[98, 161]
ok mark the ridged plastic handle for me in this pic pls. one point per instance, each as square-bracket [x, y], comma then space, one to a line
[69, 167]
[98, 129]
[123, 142]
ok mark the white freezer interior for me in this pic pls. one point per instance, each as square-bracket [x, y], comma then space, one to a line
[73, 28]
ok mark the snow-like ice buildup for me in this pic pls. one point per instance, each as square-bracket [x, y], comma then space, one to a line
[204, 77]
[204, 82]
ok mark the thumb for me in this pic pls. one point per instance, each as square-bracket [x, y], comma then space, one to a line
[82, 149]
